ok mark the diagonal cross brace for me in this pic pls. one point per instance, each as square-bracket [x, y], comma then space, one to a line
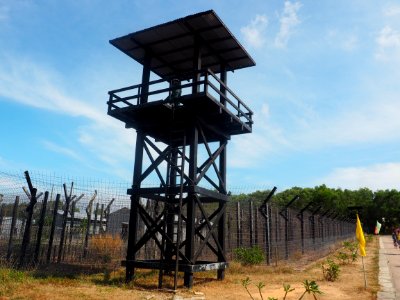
[210, 227]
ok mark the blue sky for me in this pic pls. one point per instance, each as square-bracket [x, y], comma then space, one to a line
[325, 91]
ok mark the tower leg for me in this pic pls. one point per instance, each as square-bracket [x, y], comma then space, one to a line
[131, 252]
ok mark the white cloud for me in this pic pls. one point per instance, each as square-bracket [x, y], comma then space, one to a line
[388, 42]
[374, 122]
[251, 150]
[392, 10]
[254, 32]
[288, 22]
[377, 176]
[4, 12]
[62, 150]
[350, 43]
[32, 84]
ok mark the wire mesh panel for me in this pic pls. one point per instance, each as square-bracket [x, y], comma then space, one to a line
[93, 228]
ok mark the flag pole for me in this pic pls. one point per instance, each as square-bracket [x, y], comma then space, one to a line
[365, 275]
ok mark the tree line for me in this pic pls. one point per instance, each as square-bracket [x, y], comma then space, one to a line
[372, 206]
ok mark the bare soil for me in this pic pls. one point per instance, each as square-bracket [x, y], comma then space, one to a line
[66, 283]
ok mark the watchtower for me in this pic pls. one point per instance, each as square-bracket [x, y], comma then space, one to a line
[183, 120]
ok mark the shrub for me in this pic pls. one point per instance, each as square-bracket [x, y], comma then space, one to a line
[352, 248]
[103, 248]
[249, 256]
[343, 257]
[330, 270]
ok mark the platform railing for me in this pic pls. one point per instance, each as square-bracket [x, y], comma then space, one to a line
[209, 84]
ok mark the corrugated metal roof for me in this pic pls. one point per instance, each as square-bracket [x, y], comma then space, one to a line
[171, 45]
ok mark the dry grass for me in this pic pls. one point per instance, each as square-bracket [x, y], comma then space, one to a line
[103, 248]
[61, 284]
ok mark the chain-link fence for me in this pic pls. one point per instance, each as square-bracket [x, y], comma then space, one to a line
[86, 222]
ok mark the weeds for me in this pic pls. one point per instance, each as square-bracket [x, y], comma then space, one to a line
[287, 289]
[343, 257]
[310, 287]
[249, 256]
[352, 248]
[246, 283]
[9, 279]
[330, 270]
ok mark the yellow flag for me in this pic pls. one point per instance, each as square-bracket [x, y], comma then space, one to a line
[360, 237]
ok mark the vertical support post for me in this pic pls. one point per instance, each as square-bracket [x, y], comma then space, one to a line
[222, 88]
[101, 229]
[222, 184]
[40, 229]
[170, 214]
[312, 219]
[95, 219]
[302, 232]
[65, 220]
[53, 227]
[238, 228]
[222, 205]
[137, 172]
[256, 227]
[107, 213]
[29, 211]
[300, 216]
[89, 221]
[12, 229]
[71, 226]
[133, 217]
[321, 222]
[266, 213]
[251, 225]
[191, 204]
[286, 233]
[2, 213]
[196, 65]
[268, 233]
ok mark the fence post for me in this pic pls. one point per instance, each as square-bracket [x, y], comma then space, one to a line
[266, 212]
[108, 211]
[95, 218]
[40, 229]
[238, 225]
[268, 232]
[65, 219]
[53, 227]
[251, 223]
[285, 215]
[29, 210]
[312, 220]
[286, 233]
[72, 213]
[2, 212]
[256, 227]
[12, 229]
[229, 225]
[300, 216]
[101, 219]
[89, 217]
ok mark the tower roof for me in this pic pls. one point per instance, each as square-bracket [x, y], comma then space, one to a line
[171, 45]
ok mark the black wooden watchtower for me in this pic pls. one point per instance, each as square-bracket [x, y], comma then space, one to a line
[183, 119]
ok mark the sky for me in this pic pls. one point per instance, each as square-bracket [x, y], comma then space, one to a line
[325, 89]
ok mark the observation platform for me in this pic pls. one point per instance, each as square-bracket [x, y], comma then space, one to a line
[191, 50]
[164, 119]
